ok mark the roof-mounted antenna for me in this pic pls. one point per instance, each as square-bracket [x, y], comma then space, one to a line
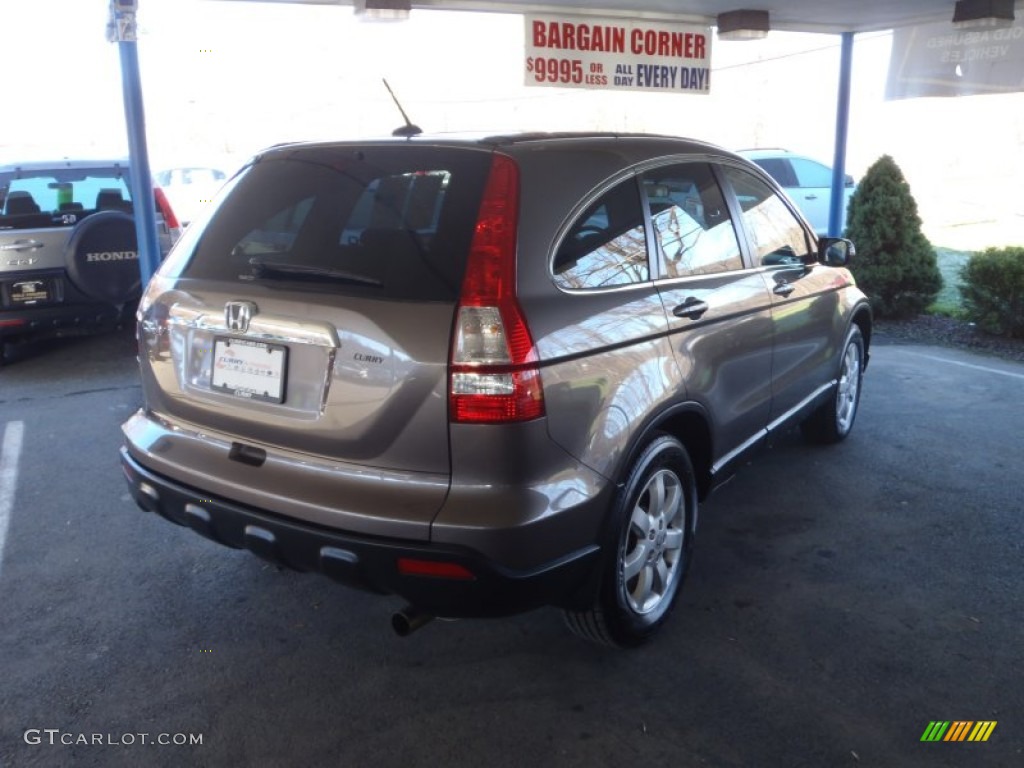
[410, 128]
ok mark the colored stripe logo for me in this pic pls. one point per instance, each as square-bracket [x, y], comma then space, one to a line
[959, 730]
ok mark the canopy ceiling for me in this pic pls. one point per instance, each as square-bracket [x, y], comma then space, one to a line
[832, 16]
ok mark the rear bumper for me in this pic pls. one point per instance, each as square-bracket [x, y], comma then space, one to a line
[57, 321]
[366, 562]
[62, 311]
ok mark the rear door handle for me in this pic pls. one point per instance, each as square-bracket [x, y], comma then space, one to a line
[783, 289]
[692, 307]
[811, 197]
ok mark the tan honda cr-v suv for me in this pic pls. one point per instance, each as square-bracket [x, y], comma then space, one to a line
[487, 374]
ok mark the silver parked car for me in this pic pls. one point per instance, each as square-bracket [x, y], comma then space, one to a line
[68, 249]
[806, 181]
[487, 374]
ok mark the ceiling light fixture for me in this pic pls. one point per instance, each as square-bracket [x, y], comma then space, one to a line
[982, 13]
[744, 25]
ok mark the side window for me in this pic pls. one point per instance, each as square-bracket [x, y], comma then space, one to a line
[776, 234]
[39, 189]
[607, 245]
[811, 174]
[692, 228]
[779, 169]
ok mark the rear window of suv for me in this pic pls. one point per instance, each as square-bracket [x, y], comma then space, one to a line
[59, 197]
[389, 222]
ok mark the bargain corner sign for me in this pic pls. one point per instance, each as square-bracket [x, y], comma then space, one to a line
[616, 54]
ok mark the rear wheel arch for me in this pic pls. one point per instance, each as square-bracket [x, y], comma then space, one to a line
[690, 424]
[863, 320]
[691, 427]
[646, 547]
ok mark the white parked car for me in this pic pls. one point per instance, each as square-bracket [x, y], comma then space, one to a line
[806, 181]
[190, 188]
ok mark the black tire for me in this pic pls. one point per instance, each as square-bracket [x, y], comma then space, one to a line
[833, 421]
[102, 258]
[128, 311]
[647, 549]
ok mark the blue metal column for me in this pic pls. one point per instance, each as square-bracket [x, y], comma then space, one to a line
[141, 178]
[838, 203]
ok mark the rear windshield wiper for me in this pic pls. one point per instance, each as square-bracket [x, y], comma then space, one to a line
[262, 269]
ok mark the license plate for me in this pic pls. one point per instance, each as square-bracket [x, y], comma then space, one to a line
[30, 292]
[251, 369]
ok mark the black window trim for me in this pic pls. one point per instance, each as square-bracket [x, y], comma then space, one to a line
[736, 210]
[656, 270]
[573, 218]
[659, 275]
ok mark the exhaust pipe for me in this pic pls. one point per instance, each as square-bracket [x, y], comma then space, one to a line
[408, 620]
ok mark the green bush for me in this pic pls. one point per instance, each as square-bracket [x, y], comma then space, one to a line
[895, 264]
[993, 290]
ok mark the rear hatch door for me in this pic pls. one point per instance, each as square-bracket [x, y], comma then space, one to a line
[312, 309]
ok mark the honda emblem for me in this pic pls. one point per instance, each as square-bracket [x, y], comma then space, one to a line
[238, 314]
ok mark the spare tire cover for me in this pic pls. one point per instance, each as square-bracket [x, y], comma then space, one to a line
[102, 257]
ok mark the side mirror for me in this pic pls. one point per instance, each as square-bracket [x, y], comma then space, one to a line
[849, 180]
[835, 251]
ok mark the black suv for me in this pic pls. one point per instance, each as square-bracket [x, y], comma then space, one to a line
[68, 249]
[487, 374]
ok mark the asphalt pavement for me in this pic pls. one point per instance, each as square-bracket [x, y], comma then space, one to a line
[840, 601]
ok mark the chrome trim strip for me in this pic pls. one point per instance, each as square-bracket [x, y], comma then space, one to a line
[746, 444]
[261, 327]
[763, 433]
[803, 403]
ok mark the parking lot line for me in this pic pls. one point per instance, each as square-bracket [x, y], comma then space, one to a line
[969, 365]
[10, 452]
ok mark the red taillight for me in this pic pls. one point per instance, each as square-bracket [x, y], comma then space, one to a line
[408, 566]
[494, 376]
[12, 323]
[163, 205]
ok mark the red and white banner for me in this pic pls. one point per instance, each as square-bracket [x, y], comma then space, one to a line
[617, 54]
